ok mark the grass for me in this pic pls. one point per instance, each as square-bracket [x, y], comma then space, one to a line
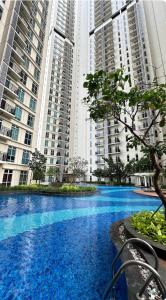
[152, 227]
[52, 189]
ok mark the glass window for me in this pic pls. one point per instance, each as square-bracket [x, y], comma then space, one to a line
[18, 113]
[26, 62]
[28, 47]
[32, 104]
[14, 132]
[21, 93]
[28, 138]
[25, 157]
[23, 77]
[7, 177]
[30, 120]
[23, 177]
[38, 60]
[11, 153]
[46, 143]
[36, 74]
[45, 151]
[34, 88]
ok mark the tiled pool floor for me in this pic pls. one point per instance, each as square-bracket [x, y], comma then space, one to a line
[59, 247]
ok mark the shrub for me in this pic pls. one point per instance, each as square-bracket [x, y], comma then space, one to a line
[54, 189]
[152, 227]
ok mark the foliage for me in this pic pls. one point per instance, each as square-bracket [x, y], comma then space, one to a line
[109, 97]
[78, 167]
[99, 173]
[52, 172]
[152, 227]
[118, 170]
[38, 165]
[49, 189]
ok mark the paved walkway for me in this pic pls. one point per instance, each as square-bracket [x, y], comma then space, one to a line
[142, 192]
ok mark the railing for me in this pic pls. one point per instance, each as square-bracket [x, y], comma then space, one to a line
[18, 50]
[7, 107]
[142, 264]
[154, 273]
[11, 86]
[5, 131]
[15, 67]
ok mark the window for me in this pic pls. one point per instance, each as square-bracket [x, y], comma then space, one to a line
[30, 120]
[28, 47]
[38, 60]
[1, 11]
[18, 113]
[11, 153]
[26, 62]
[32, 104]
[45, 151]
[128, 158]
[7, 177]
[21, 93]
[46, 143]
[23, 77]
[30, 34]
[28, 138]
[34, 88]
[36, 74]
[136, 157]
[25, 157]
[47, 134]
[23, 177]
[53, 136]
[39, 48]
[51, 160]
[14, 132]
[52, 151]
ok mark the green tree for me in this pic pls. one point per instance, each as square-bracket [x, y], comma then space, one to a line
[38, 165]
[99, 173]
[109, 96]
[52, 172]
[118, 170]
[77, 167]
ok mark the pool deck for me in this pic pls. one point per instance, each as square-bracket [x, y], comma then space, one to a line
[143, 193]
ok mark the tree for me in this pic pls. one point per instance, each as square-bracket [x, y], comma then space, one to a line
[99, 173]
[38, 165]
[109, 96]
[118, 170]
[78, 167]
[52, 172]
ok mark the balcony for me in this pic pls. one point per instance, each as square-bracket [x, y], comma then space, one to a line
[5, 133]
[6, 109]
[22, 24]
[19, 37]
[27, 3]
[11, 88]
[25, 10]
[17, 53]
[14, 70]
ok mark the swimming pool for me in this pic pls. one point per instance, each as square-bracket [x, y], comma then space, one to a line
[59, 247]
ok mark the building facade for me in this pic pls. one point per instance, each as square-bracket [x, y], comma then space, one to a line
[126, 36]
[54, 129]
[23, 39]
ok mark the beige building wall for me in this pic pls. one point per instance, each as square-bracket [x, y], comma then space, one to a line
[23, 41]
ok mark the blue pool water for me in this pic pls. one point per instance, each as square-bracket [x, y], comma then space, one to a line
[59, 247]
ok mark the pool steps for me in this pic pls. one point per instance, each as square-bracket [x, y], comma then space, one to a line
[154, 271]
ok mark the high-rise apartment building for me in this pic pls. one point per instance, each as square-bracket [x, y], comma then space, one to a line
[54, 129]
[23, 39]
[128, 34]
